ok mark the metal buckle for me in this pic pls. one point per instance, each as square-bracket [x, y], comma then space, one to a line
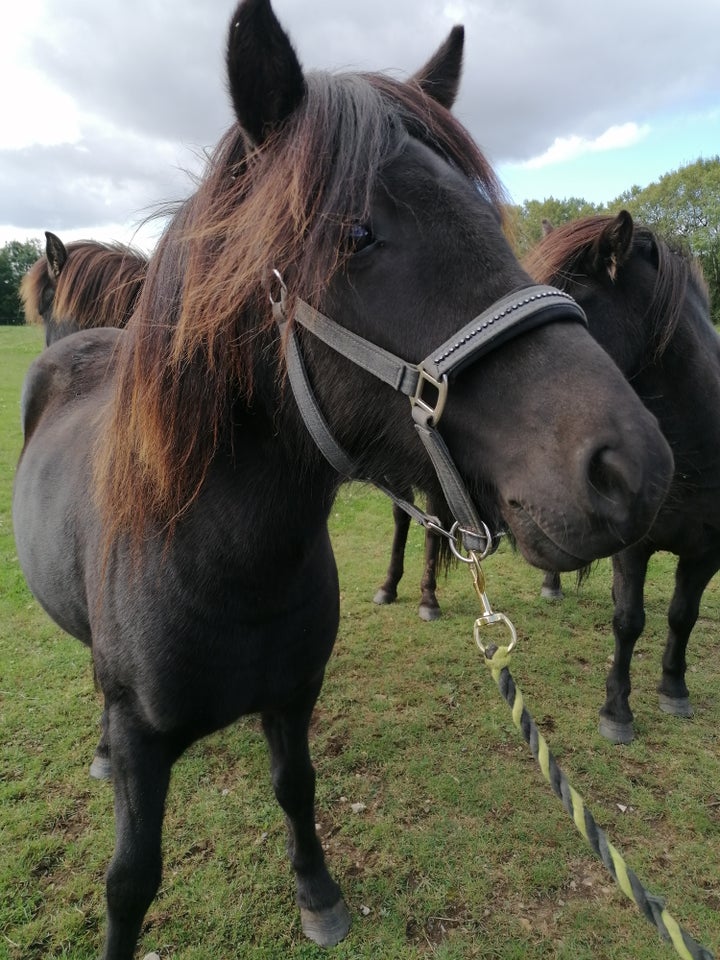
[440, 387]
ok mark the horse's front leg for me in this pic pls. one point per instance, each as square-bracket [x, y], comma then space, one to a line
[141, 764]
[691, 578]
[629, 569]
[325, 918]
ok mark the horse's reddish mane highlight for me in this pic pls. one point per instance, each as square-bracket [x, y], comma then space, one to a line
[565, 251]
[98, 285]
[203, 315]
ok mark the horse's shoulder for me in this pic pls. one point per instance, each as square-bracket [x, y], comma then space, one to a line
[66, 371]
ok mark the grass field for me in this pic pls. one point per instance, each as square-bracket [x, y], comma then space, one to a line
[458, 850]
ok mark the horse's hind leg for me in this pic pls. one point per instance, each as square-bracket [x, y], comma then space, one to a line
[325, 918]
[100, 768]
[629, 569]
[691, 578]
[387, 593]
[429, 606]
[141, 774]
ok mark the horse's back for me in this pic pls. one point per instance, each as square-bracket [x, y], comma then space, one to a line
[68, 371]
[54, 517]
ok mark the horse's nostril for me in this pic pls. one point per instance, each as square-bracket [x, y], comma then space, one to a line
[603, 476]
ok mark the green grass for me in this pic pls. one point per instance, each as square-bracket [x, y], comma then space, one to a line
[461, 850]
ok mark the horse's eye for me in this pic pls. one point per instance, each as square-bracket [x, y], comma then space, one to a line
[359, 236]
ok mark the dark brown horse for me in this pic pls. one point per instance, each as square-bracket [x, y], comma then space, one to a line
[171, 504]
[82, 285]
[647, 305]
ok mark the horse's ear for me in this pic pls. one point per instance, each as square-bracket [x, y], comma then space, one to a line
[440, 77]
[614, 244]
[264, 75]
[546, 226]
[55, 254]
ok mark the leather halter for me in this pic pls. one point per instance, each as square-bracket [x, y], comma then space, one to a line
[425, 383]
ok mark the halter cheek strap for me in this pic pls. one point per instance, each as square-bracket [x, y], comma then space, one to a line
[426, 384]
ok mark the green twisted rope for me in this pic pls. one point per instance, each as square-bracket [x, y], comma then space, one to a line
[652, 907]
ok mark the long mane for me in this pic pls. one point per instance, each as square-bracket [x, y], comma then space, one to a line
[563, 254]
[190, 360]
[97, 287]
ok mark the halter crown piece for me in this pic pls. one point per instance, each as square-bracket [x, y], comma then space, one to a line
[426, 384]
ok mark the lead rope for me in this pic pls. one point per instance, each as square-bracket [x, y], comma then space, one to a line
[497, 659]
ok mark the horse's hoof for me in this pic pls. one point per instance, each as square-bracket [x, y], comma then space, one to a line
[550, 593]
[382, 597]
[428, 613]
[677, 706]
[100, 768]
[616, 732]
[326, 927]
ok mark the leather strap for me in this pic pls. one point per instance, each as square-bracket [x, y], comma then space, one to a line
[505, 319]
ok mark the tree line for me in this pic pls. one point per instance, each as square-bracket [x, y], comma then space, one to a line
[16, 258]
[683, 207]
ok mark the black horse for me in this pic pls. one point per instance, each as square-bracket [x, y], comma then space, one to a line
[170, 505]
[82, 285]
[647, 305]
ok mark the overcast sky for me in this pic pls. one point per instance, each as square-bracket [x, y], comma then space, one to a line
[106, 105]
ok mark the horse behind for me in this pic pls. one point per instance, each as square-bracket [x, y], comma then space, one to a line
[647, 305]
[168, 472]
[82, 285]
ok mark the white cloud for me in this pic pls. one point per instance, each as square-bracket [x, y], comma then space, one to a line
[569, 148]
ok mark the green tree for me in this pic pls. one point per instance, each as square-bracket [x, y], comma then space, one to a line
[525, 223]
[16, 258]
[685, 205]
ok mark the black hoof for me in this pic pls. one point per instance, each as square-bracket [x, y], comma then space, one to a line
[616, 732]
[550, 593]
[326, 927]
[677, 706]
[100, 768]
[382, 597]
[428, 613]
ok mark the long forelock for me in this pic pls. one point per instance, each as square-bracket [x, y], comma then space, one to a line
[204, 311]
[32, 287]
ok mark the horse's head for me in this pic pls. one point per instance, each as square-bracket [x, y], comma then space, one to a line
[38, 286]
[82, 285]
[402, 214]
[637, 292]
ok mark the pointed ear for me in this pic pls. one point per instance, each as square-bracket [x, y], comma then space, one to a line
[614, 244]
[55, 254]
[440, 77]
[547, 227]
[264, 76]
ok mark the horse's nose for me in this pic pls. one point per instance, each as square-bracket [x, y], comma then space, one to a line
[626, 487]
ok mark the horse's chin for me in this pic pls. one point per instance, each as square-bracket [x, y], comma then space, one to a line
[537, 545]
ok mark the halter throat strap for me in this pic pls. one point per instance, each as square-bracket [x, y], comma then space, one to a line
[426, 383]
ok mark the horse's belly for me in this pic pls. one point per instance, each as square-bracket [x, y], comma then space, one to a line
[47, 502]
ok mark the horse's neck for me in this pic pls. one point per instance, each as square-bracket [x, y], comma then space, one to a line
[686, 401]
[279, 486]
